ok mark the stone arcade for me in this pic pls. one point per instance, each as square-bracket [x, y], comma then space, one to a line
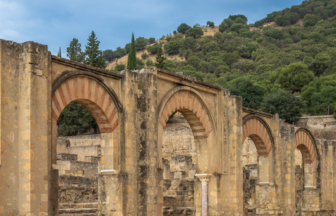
[132, 110]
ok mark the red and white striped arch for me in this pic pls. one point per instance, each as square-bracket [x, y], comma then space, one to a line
[90, 94]
[191, 107]
[257, 131]
[305, 143]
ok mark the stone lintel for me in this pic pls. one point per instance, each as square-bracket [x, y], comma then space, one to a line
[310, 187]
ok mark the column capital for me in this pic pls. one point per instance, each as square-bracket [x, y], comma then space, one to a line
[109, 172]
[203, 177]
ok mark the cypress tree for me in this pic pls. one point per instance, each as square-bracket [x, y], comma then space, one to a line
[131, 61]
[94, 55]
[160, 59]
[59, 54]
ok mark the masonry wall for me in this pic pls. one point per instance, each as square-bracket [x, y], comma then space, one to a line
[25, 108]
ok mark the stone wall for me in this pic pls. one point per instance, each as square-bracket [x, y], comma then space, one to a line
[179, 165]
[322, 127]
[78, 159]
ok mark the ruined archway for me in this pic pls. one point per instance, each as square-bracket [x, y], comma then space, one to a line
[258, 178]
[90, 91]
[307, 172]
[190, 104]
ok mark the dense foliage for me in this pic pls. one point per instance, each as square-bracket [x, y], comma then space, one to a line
[75, 119]
[285, 104]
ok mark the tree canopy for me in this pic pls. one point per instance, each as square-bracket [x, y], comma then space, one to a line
[74, 51]
[285, 104]
[94, 56]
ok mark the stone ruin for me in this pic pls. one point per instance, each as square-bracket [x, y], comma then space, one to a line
[78, 160]
[179, 168]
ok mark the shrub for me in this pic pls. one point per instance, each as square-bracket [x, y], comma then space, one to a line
[149, 62]
[144, 55]
[120, 67]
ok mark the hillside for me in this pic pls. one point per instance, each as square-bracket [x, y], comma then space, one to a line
[207, 31]
[288, 51]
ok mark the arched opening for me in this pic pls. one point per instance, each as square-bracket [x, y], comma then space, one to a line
[258, 184]
[250, 175]
[76, 160]
[299, 180]
[306, 173]
[78, 155]
[179, 167]
[198, 125]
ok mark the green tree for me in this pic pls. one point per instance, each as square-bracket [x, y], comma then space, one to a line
[318, 67]
[225, 25]
[189, 43]
[74, 51]
[120, 52]
[194, 61]
[294, 76]
[221, 70]
[140, 43]
[131, 61]
[246, 66]
[183, 28]
[151, 40]
[172, 47]
[160, 59]
[108, 55]
[59, 54]
[285, 104]
[320, 94]
[194, 32]
[252, 94]
[75, 119]
[94, 56]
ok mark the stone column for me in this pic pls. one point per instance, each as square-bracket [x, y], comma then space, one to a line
[204, 179]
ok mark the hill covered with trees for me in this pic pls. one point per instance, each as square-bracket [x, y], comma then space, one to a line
[284, 63]
[296, 55]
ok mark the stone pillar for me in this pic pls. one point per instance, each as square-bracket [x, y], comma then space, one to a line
[143, 188]
[204, 179]
[110, 193]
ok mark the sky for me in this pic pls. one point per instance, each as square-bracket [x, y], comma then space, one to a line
[56, 22]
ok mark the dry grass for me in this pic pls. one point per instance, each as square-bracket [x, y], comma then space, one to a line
[123, 60]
